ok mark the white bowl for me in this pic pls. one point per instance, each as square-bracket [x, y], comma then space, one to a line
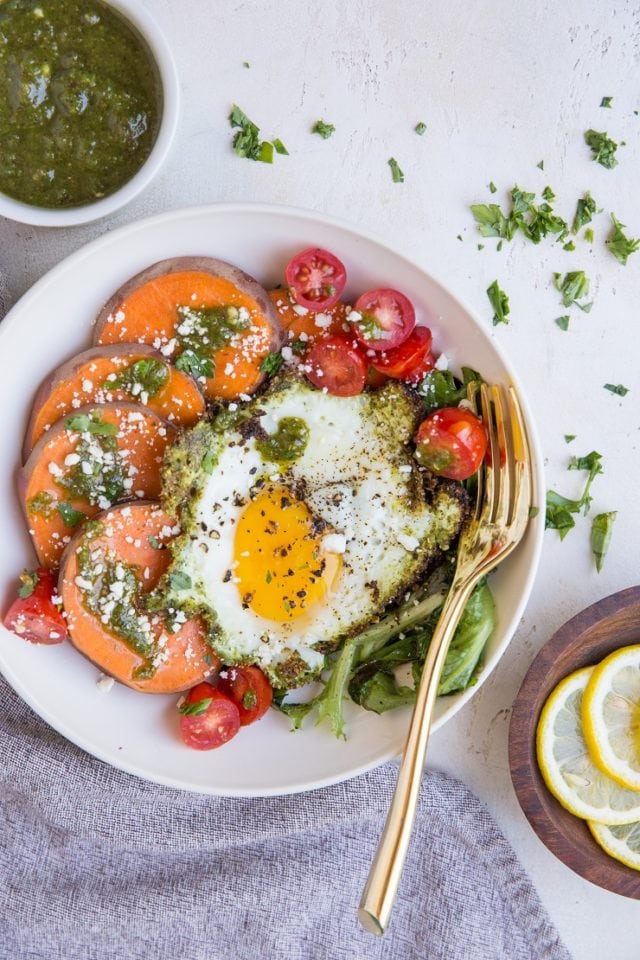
[146, 26]
[138, 733]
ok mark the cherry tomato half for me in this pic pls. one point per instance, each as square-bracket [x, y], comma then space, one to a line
[36, 617]
[410, 361]
[337, 364]
[317, 278]
[249, 689]
[384, 319]
[451, 442]
[213, 718]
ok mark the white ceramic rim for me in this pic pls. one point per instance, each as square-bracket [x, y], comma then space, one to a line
[535, 531]
[147, 27]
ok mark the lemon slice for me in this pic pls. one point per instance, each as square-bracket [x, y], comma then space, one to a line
[622, 842]
[611, 716]
[564, 760]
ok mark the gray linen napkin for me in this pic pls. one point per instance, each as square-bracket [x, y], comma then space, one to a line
[97, 864]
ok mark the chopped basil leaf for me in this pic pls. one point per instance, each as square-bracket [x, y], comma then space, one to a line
[266, 152]
[588, 235]
[91, 423]
[548, 194]
[481, 246]
[420, 128]
[573, 286]
[540, 165]
[569, 437]
[569, 246]
[271, 363]
[602, 148]
[490, 219]
[246, 141]
[246, 64]
[601, 531]
[585, 209]
[606, 102]
[617, 388]
[492, 187]
[180, 580]
[458, 237]
[500, 303]
[196, 366]
[563, 321]
[534, 221]
[620, 245]
[195, 709]
[559, 509]
[28, 583]
[280, 147]
[70, 516]
[154, 543]
[324, 130]
[396, 173]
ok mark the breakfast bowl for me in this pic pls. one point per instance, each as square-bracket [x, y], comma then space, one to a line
[138, 733]
[595, 633]
[93, 173]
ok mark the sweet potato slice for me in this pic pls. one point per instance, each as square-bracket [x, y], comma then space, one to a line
[97, 456]
[150, 307]
[110, 374]
[307, 325]
[108, 624]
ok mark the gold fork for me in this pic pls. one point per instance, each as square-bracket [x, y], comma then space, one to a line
[502, 510]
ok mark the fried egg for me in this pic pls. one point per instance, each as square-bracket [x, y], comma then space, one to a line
[289, 548]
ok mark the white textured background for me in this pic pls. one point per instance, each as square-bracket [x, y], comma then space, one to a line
[501, 86]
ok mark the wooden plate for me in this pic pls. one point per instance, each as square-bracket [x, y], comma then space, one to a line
[583, 641]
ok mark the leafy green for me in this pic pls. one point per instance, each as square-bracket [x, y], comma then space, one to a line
[195, 709]
[563, 321]
[585, 209]
[601, 532]
[91, 423]
[271, 363]
[491, 220]
[28, 583]
[396, 173]
[441, 389]
[247, 142]
[602, 148]
[619, 244]
[324, 130]
[420, 128]
[534, 220]
[561, 510]
[573, 286]
[617, 388]
[500, 303]
[70, 516]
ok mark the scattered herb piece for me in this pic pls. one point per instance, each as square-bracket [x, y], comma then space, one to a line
[588, 235]
[269, 577]
[246, 141]
[91, 423]
[573, 286]
[195, 709]
[563, 321]
[585, 209]
[246, 64]
[602, 148]
[500, 303]
[271, 363]
[459, 238]
[324, 130]
[420, 128]
[601, 531]
[534, 221]
[70, 516]
[533, 512]
[548, 194]
[396, 173]
[180, 580]
[559, 509]
[606, 102]
[617, 388]
[569, 246]
[28, 583]
[569, 437]
[499, 246]
[540, 165]
[620, 245]
[492, 187]
[266, 152]
[491, 220]
[196, 366]
[280, 147]
[481, 246]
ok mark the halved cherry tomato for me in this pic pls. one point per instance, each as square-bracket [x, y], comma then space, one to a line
[337, 364]
[35, 617]
[375, 379]
[384, 318]
[214, 719]
[317, 277]
[451, 442]
[410, 361]
[249, 689]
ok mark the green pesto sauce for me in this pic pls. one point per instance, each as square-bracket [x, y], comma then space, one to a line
[80, 101]
[105, 478]
[143, 376]
[203, 331]
[288, 442]
[126, 618]
[42, 503]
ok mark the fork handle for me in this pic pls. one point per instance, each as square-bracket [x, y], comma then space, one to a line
[382, 883]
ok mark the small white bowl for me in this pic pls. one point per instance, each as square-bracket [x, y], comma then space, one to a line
[146, 26]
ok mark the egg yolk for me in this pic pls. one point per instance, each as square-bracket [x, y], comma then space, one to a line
[280, 567]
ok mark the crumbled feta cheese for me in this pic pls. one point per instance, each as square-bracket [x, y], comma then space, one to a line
[104, 683]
